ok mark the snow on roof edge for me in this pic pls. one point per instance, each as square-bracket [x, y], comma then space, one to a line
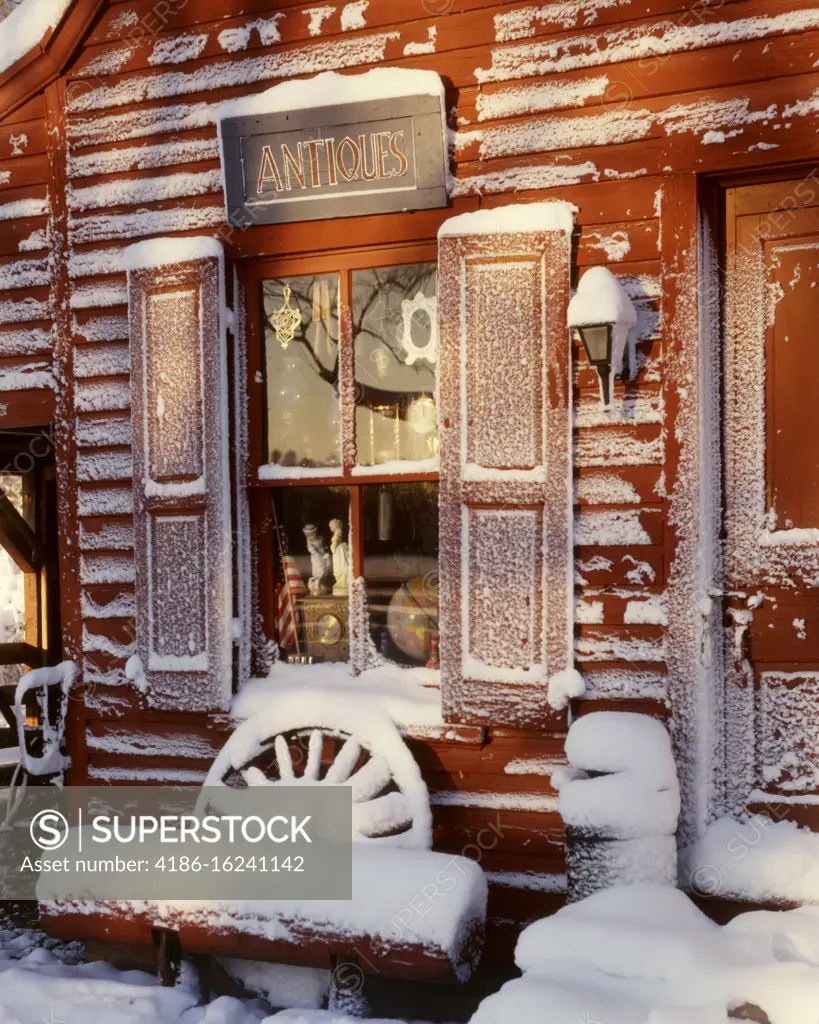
[330, 89]
[25, 27]
[553, 215]
[157, 252]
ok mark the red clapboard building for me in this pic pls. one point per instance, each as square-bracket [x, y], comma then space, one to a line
[301, 423]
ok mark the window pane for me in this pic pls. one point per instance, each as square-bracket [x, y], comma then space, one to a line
[401, 570]
[312, 588]
[396, 354]
[301, 365]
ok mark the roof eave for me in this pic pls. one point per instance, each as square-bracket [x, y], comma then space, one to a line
[45, 62]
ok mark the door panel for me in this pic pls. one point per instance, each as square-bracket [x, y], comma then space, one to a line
[771, 432]
[792, 429]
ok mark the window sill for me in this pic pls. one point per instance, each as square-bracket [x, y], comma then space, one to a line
[399, 467]
[411, 697]
[274, 471]
[335, 474]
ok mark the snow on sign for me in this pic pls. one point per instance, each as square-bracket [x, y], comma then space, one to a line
[334, 159]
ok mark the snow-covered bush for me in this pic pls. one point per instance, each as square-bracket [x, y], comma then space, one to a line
[620, 802]
[645, 954]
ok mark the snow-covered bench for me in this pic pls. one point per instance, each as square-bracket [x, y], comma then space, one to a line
[382, 929]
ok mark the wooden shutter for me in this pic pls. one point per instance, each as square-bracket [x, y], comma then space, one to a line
[505, 490]
[182, 536]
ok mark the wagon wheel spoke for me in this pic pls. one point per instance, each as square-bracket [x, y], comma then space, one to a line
[284, 760]
[386, 814]
[388, 794]
[345, 761]
[312, 769]
[371, 779]
[254, 776]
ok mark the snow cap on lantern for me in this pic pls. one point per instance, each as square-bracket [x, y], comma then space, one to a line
[603, 315]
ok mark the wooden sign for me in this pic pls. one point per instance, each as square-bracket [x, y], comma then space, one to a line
[345, 161]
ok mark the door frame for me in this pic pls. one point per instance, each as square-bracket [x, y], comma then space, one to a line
[692, 247]
[691, 317]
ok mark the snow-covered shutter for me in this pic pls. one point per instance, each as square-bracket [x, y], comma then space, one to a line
[182, 536]
[505, 491]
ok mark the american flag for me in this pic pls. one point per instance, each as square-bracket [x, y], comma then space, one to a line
[291, 587]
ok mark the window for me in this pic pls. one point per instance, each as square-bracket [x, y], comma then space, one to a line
[30, 634]
[395, 360]
[344, 450]
[301, 370]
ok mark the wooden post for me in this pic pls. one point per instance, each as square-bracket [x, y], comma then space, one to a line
[690, 344]
[347, 987]
[168, 957]
[64, 426]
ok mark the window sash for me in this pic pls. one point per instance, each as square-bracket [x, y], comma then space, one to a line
[266, 558]
[344, 264]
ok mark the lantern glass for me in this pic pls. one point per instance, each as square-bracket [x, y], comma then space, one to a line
[597, 343]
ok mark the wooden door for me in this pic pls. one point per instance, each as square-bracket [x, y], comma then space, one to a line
[771, 424]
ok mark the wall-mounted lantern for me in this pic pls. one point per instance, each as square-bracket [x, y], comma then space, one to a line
[602, 314]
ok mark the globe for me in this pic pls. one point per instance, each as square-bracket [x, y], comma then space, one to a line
[412, 615]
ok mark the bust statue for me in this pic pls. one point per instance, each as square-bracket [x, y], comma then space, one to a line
[341, 558]
[321, 562]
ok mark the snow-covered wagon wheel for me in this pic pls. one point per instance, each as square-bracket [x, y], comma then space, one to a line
[316, 738]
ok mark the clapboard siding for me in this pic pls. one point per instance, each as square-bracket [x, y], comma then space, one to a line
[146, 167]
[27, 293]
[592, 104]
[26, 269]
[473, 22]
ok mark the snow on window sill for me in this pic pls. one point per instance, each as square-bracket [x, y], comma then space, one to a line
[275, 471]
[395, 467]
[411, 697]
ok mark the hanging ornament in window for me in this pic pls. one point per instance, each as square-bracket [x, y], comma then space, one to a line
[422, 415]
[322, 318]
[409, 309]
[285, 320]
[386, 508]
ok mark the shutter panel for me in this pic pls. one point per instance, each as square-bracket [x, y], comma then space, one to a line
[182, 536]
[505, 491]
